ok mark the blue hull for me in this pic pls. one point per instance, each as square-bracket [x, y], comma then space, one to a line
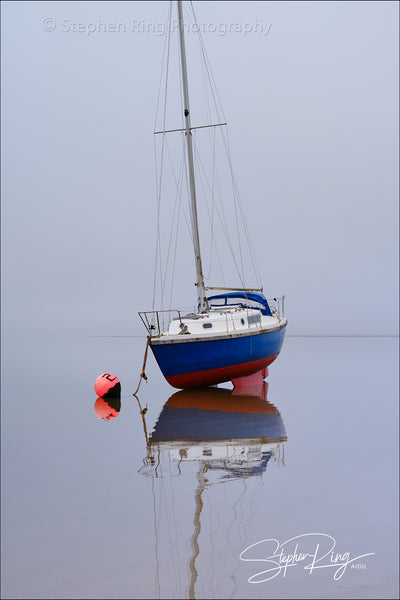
[189, 363]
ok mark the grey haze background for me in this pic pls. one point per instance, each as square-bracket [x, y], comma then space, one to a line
[312, 109]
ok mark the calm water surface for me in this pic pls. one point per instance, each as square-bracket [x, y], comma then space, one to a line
[167, 504]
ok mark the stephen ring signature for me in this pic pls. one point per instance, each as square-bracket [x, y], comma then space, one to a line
[310, 551]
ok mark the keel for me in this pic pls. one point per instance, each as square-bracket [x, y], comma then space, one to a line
[251, 385]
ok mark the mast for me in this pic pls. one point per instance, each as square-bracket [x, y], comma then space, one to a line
[193, 206]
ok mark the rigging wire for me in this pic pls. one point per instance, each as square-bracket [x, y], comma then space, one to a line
[240, 205]
[175, 216]
[211, 138]
[211, 217]
[223, 221]
[165, 60]
[213, 204]
[221, 116]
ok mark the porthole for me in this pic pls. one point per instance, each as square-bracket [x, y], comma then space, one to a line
[242, 321]
[207, 325]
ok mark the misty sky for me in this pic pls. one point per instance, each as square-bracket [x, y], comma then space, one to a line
[310, 93]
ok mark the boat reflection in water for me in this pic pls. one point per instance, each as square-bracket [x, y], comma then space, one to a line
[209, 437]
[232, 432]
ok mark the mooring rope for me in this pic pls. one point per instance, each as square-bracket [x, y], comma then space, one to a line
[143, 411]
[143, 374]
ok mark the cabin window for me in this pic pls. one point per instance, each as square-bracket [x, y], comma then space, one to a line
[207, 325]
[254, 319]
[242, 321]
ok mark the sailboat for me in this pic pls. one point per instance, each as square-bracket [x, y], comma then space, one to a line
[233, 335]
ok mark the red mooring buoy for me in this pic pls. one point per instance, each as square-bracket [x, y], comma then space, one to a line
[107, 386]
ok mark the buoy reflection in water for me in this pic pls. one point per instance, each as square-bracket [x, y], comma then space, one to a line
[107, 408]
